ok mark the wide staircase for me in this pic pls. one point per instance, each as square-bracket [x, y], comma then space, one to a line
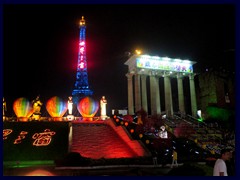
[103, 139]
[205, 136]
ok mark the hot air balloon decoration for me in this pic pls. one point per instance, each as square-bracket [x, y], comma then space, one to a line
[22, 108]
[88, 107]
[56, 107]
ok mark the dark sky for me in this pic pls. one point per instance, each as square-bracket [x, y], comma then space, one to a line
[41, 44]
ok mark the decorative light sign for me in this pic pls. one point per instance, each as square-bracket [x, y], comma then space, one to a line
[81, 55]
[164, 63]
[40, 139]
[20, 137]
[43, 139]
[6, 132]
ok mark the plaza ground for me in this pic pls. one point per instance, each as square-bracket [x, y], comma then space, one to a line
[200, 169]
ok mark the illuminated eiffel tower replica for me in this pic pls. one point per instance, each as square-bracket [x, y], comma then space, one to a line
[81, 87]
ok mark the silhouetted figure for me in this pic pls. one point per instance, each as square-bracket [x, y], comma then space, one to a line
[174, 158]
[155, 157]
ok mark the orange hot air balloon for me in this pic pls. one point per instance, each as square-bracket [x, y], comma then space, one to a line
[56, 107]
[88, 107]
[22, 108]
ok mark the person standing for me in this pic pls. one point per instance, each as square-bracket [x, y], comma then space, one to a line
[220, 168]
[174, 158]
[155, 157]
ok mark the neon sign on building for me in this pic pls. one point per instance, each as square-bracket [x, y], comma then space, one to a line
[164, 63]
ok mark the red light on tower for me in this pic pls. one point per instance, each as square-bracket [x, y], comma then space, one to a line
[81, 50]
[82, 43]
[81, 65]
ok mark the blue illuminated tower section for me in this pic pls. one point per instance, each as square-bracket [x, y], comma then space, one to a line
[81, 87]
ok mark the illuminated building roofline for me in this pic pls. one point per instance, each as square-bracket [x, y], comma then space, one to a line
[141, 62]
[167, 59]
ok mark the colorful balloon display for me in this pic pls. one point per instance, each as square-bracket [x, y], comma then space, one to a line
[56, 107]
[88, 107]
[22, 108]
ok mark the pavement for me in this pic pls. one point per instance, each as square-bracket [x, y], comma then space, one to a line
[113, 170]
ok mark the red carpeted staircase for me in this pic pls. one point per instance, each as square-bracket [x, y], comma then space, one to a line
[102, 139]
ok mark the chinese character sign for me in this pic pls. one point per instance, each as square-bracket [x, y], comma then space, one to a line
[40, 139]
[43, 139]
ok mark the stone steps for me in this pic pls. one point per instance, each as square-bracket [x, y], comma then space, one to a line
[99, 140]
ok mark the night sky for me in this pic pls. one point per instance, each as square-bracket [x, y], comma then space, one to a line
[41, 44]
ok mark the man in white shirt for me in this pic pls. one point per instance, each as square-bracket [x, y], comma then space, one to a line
[220, 168]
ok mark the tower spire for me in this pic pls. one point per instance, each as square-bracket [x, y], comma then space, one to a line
[82, 21]
[81, 87]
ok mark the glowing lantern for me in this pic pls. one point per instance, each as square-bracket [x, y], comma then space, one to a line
[147, 141]
[22, 108]
[132, 131]
[117, 120]
[140, 135]
[126, 123]
[88, 107]
[121, 122]
[56, 107]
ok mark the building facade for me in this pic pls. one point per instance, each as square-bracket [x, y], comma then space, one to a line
[216, 88]
[143, 67]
